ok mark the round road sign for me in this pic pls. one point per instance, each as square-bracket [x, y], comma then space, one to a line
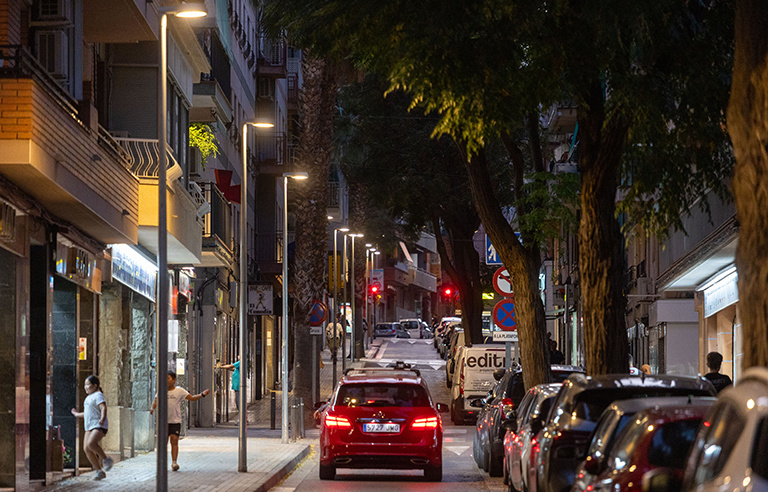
[319, 313]
[502, 283]
[504, 315]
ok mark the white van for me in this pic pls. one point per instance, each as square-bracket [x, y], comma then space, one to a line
[473, 378]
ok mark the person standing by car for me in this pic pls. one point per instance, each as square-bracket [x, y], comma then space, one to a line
[719, 381]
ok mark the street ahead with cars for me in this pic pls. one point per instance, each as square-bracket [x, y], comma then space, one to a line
[394, 424]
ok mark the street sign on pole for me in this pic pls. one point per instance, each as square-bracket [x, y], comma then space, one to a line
[491, 255]
[502, 283]
[319, 313]
[504, 315]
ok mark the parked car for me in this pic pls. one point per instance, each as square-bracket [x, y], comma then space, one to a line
[578, 406]
[656, 437]
[659, 432]
[445, 338]
[440, 331]
[473, 378]
[401, 331]
[386, 329]
[382, 418]
[457, 340]
[411, 323]
[730, 451]
[500, 406]
[520, 439]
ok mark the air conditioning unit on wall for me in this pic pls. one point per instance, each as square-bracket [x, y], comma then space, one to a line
[53, 52]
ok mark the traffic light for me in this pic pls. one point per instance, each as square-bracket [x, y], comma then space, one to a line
[373, 290]
[448, 293]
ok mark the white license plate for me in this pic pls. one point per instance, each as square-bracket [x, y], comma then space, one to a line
[381, 427]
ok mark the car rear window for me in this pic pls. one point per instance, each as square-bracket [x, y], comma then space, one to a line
[760, 450]
[671, 443]
[588, 405]
[382, 395]
[410, 324]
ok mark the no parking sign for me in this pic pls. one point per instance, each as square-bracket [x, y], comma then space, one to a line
[319, 313]
[504, 315]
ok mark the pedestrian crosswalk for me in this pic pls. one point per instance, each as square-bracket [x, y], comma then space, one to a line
[415, 363]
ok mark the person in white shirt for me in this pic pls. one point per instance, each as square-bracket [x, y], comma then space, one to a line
[96, 424]
[175, 396]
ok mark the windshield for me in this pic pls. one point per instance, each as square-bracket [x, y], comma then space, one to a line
[410, 325]
[671, 443]
[382, 395]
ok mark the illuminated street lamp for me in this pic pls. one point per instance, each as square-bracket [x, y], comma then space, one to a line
[334, 310]
[242, 461]
[294, 175]
[352, 301]
[188, 10]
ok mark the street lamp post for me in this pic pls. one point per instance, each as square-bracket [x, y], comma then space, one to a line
[294, 175]
[189, 10]
[334, 309]
[242, 454]
[344, 307]
[353, 341]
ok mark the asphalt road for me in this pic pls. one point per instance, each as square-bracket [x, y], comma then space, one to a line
[459, 470]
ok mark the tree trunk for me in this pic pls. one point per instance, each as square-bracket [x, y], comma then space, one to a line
[311, 256]
[748, 128]
[523, 267]
[358, 203]
[600, 248]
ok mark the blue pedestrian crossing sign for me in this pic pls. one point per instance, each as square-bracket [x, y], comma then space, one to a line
[491, 255]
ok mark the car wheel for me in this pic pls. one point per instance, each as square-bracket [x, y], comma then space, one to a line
[476, 452]
[327, 472]
[434, 473]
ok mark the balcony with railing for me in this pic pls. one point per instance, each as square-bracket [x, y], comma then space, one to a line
[271, 57]
[218, 242]
[269, 252]
[185, 208]
[334, 196]
[270, 152]
[292, 89]
[53, 149]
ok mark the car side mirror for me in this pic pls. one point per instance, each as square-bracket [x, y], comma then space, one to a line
[498, 374]
[509, 424]
[661, 480]
[593, 466]
[443, 408]
[477, 403]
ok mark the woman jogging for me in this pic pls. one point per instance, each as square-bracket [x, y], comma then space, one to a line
[96, 424]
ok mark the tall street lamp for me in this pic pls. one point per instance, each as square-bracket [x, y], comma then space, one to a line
[294, 175]
[188, 10]
[353, 341]
[242, 453]
[334, 308]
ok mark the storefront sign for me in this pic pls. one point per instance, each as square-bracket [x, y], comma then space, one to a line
[260, 299]
[82, 349]
[132, 269]
[721, 294]
[77, 265]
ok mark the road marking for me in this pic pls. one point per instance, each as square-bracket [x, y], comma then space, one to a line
[454, 430]
[456, 449]
[411, 341]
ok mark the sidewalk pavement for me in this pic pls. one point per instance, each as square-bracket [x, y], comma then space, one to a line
[209, 457]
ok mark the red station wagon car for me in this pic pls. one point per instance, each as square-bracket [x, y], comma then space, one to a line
[382, 418]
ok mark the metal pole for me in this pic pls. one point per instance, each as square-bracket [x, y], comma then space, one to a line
[353, 341]
[334, 310]
[284, 437]
[242, 458]
[161, 338]
[344, 309]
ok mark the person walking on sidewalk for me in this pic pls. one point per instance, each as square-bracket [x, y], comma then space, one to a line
[718, 380]
[175, 396]
[94, 415]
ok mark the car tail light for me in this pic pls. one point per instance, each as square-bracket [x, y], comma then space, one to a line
[425, 423]
[461, 379]
[337, 422]
[506, 406]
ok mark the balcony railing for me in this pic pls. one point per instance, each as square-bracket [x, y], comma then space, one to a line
[334, 200]
[217, 222]
[269, 247]
[271, 149]
[144, 158]
[271, 52]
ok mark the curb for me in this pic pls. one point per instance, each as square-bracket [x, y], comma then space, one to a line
[284, 471]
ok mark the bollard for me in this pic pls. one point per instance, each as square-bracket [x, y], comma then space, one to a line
[272, 410]
[301, 417]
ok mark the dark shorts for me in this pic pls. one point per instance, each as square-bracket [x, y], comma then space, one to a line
[174, 430]
[102, 429]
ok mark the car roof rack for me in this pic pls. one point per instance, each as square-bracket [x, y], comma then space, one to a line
[399, 366]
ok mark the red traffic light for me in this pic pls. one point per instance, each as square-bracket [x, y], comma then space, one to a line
[448, 291]
[373, 290]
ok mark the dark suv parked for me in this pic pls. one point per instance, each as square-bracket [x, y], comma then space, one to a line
[501, 405]
[577, 408]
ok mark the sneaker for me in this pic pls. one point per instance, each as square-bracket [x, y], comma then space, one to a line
[107, 464]
[100, 475]
[175, 467]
